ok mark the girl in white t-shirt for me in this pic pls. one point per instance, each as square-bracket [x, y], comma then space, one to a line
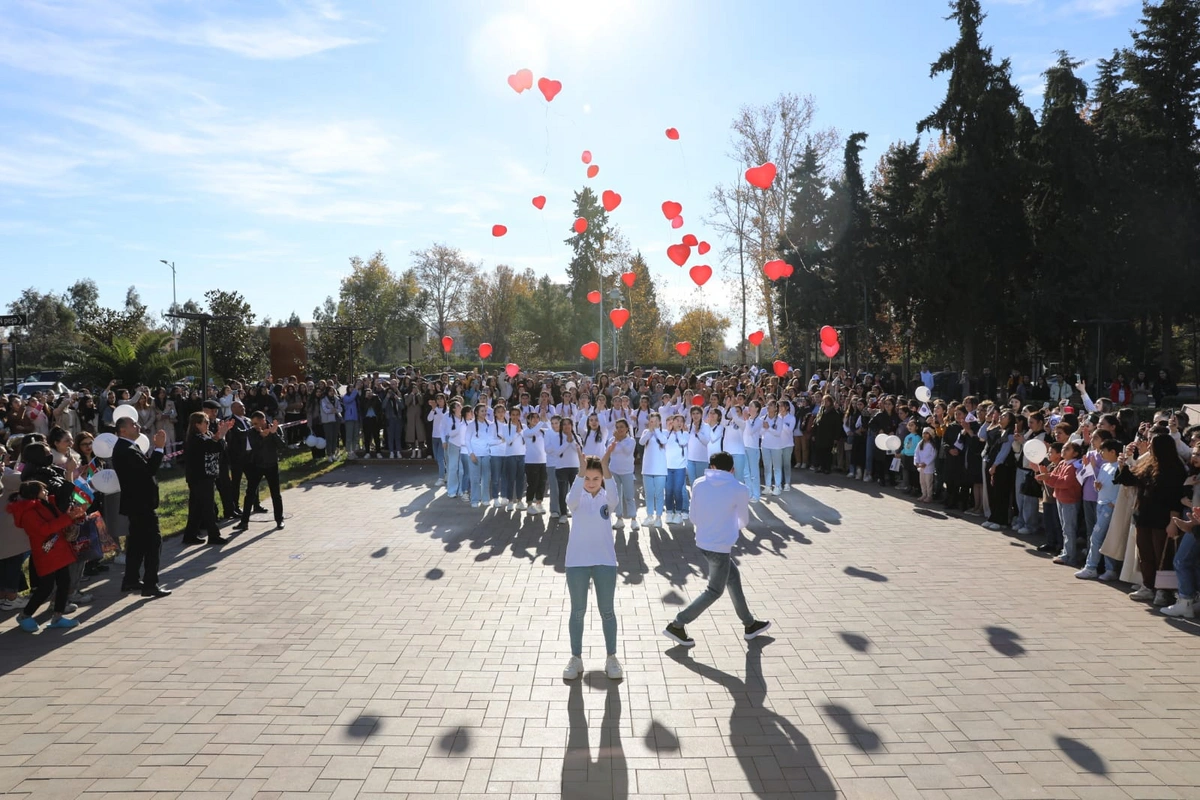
[592, 558]
[620, 449]
[534, 436]
[594, 436]
[654, 468]
[678, 501]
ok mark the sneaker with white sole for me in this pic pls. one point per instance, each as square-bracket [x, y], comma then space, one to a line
[440, 482]
[618, 524]
[15, 604]
[1162, 598]
[683, 517]
[678, 635]
[522, 505]
[574, 669]
[1110, 575]
[1184, 607]
[562, 517]
[82, 598]
[1141, 594]
[633, 526]
[756, 628]
[612, 668]
[1087, 574]
[510, 507]
[475, 504]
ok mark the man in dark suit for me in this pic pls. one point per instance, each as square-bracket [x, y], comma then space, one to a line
[266, 445]
[138, 475]
[240, 457]
[225, 490]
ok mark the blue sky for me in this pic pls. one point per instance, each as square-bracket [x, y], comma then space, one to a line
[259, 144]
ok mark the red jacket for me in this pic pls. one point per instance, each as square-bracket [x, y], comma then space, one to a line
[1067, 488]
[44, 524]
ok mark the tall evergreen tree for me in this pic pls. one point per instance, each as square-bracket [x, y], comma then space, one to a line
[851, 262]
[642, 339]
[590, 264]
[899, 234]
[803, 299]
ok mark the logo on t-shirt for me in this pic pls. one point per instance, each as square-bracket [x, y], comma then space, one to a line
[604, 511]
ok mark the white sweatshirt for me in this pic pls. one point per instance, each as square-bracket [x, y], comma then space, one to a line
[535, 443]
[621, 460]
[590, 541]
[654, 452]
[720, 509]
[677, 445]
[698, 443]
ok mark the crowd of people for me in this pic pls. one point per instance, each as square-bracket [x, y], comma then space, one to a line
[1110, 493]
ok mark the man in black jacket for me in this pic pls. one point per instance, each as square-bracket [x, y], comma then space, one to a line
[239, 456]
[202, 464]
[265, 446]
[225, 488]
[138, 475]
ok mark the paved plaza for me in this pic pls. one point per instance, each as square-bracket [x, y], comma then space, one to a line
[391, 642]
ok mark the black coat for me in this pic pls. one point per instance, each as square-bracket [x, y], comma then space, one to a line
[138, 475]
[265, 449]
[202, 458]
[236, 439]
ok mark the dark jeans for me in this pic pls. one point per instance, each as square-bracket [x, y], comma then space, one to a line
[722, 573]
[1000, 493]
[225, 487]
[535, 483]
[58, 582]
[202, 509]
[371, 434]
[255, 476]
[565, 477]
[143, 550]
[239, 469]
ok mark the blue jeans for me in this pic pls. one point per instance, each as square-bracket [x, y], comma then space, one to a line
[454, 470]
[676, 490]
[751, 478]
[552, 489]
[439, 455]
[655, 489]
[626, 496]
[1187, 564]
[1104, 514]
[1068, 517]
[495, 478]
[787, 465]
[722, 573]
[395, 435]
[1089, 515]
[481, 478]
[508, 478]
[353, 426]
[773, 462]
[739, 467]
[579, 580]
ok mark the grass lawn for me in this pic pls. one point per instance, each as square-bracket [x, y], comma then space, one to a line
[294, 468]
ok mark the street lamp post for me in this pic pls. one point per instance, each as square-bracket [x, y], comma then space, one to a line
[174, 304]
[203, 319]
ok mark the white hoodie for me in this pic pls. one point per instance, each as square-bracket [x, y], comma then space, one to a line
[720, 509]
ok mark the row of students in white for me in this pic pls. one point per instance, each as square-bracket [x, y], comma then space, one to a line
[514, 458]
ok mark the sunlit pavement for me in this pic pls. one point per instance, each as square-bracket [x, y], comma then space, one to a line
[393, 642]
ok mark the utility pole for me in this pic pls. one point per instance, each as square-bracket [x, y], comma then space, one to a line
[203, 319]
[1099, 323]
[350, 329]
[174, 304]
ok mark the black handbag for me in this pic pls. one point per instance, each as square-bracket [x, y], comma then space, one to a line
[1030, 487]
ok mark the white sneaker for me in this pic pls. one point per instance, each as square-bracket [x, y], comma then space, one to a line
[777, 491]
[15, 604]
[654, 522]
[1025, 532]
[618, 524]
[612, 668]
[683, 517]
[574, 669]
[866, 478]
[522, 505]
[475, 504]
[535, 509]
[1183, 607]
[786, 487]
[1087, 574]
[562, 517]
[510, 507]
[440, 482]
[119, 560]
[1109, 576]
[1162, 598]
[633, 526]
[1141, 594]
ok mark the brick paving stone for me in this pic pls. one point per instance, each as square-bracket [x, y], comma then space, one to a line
[391, 642]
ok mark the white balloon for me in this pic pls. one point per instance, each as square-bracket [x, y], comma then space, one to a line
[106, 481]
[923, 393]
[894, 443]
[143, 442]
[1035, 450]
[320, 443]
[103, 445]
[123, 412]
[310, 441]
[881, 441]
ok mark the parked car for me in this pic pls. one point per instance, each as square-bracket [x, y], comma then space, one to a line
[28, 388]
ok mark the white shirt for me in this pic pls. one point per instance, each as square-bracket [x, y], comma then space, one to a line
[440, 417]
[698, 443]
[480, 436]
[734, 444]
[677, 445]
[535, 443]
[752, 434]
[621, 460]
[654, 452]
[590, 541]
[777, 434]
[561, 450]
[593, 446]
[457, 432]
[720, 509]
[925, 456]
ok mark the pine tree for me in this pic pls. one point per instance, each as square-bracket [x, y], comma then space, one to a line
[590, 264]
[642, 339]
[899, 234]
[803, 299]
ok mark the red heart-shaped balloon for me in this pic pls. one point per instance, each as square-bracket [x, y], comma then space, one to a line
[672, 134]
[593, 171]
[593, 297]
[703, 248]
[499, 230]
[679, 253]
[610, 199]
[447, 343]
[781, 368]
[683, 348]
[677, 222]
[830, 350]
[762, 176]
[521, 80]
[485, 350]
[787, 270]
[549, 88]
[539, 202]
[700, 274]
[587, 156]
[755, 338]
[671, 209]
[628, 278]
[774, 269]
[690, 239]
[828, 334]
[580, 225]
[619, 316]
[511, 370]
[590, 351]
